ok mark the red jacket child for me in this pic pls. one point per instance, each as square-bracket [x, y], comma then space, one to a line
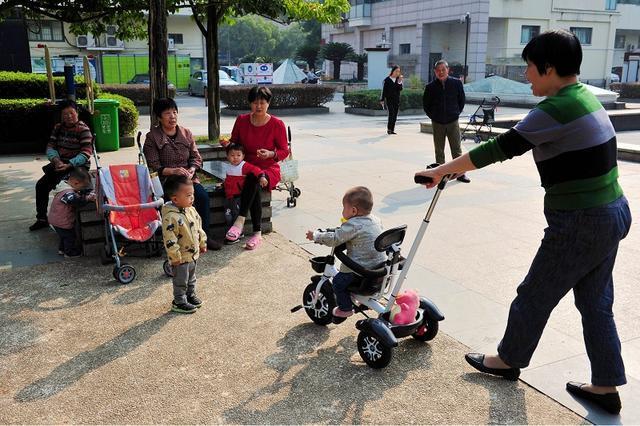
[236, 170]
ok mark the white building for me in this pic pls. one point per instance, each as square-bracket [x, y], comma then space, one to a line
[420, 32]
[116, 60]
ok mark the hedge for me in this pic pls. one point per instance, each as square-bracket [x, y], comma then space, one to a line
[370, 99]
[626, 90]
[284, 96]
[139, 93]
[19, 134]
[22, 85]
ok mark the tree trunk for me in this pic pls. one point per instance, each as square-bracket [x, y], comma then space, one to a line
[336, 70]
[213, 83]
[360, 71]
[158, 47]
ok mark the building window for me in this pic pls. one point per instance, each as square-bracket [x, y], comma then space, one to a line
[405, 49]
[620, 40]
[177, 38]
[610, 4]
[528, 32]
[45, 31]
[583, 34]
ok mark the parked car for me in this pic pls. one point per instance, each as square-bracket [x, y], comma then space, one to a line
[615, 78]
[198, 82]
[145, 79]
[234, 72]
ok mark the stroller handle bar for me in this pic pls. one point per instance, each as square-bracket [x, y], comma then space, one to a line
[153, 205]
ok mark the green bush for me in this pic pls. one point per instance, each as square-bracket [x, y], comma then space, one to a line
[22, 85]
[138, 93]
[284, 96]
[27, 123]
[626, 90]
[370, 99]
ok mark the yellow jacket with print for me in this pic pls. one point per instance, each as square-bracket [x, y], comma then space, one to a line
[182, 233]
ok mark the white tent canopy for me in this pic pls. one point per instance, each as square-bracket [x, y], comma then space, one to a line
[288, 73]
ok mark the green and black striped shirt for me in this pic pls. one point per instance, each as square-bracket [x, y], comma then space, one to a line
[574, 146]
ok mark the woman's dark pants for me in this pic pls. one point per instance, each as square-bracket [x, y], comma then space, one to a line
[44, 186]
[393, 115]
[201, 203]
[577, 253]
[250, 201]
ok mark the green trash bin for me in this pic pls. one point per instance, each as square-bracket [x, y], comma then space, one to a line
[106, 125]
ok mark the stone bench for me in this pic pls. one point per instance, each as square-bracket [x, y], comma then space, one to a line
[92, 227]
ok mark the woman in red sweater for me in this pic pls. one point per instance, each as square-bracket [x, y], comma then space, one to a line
[264, 138]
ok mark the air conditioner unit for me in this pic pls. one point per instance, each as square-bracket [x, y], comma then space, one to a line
[85, 40]
[172, 44]
[110, 39]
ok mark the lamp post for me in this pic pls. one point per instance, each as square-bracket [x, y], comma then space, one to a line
[466, 18]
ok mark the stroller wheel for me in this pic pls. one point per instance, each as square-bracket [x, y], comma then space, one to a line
[427, 330]
[373, 351]
[291, 202]
[321, 311]
[125, 274]
[167, 268]
[296, 192]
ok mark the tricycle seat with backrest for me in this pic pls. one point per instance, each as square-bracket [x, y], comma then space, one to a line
[373, 279]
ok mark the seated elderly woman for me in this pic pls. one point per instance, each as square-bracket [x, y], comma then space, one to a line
[264, 138]
[171, 150]
[70, 145]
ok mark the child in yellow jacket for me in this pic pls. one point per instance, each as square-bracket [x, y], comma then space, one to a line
[184, 240]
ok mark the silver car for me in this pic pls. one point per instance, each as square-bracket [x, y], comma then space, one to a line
[198, 82]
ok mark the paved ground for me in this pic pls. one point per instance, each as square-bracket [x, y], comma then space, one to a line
[89, 351]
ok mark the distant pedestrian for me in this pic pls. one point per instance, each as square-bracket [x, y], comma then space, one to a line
[390, 97]
[443, 101]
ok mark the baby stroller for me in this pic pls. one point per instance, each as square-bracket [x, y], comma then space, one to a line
[377, 291]
[289, 174]
[478, 120]
[126, 198]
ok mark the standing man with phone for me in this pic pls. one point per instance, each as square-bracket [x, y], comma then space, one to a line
[443, 101]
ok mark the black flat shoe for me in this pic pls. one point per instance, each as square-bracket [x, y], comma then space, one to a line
[477, 361]
[610, 402]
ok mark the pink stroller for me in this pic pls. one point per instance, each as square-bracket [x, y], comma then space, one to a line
[131, 209]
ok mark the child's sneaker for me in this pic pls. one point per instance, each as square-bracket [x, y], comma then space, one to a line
[183, 308]
[337, 312]
[194, 300]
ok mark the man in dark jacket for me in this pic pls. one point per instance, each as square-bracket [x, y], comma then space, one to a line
[443, 102]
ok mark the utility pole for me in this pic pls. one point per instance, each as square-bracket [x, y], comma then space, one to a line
[466, 19]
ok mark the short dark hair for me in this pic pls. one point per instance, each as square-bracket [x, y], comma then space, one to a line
[259, 92]
[361, 198]
[557, 48]
[80, 173]
[163, 104]
[233, 146]
[67, 103]
[173, 183]
[440, 62]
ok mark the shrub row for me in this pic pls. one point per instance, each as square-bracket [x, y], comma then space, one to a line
[138, 93]
[626, 90]
[27, 123]
[284, 96]
[370, 99]
[22, 85]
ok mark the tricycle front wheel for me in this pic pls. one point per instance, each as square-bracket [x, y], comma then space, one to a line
[320, 312]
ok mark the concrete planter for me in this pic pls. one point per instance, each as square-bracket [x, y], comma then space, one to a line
[279, 112]
[380, 112]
